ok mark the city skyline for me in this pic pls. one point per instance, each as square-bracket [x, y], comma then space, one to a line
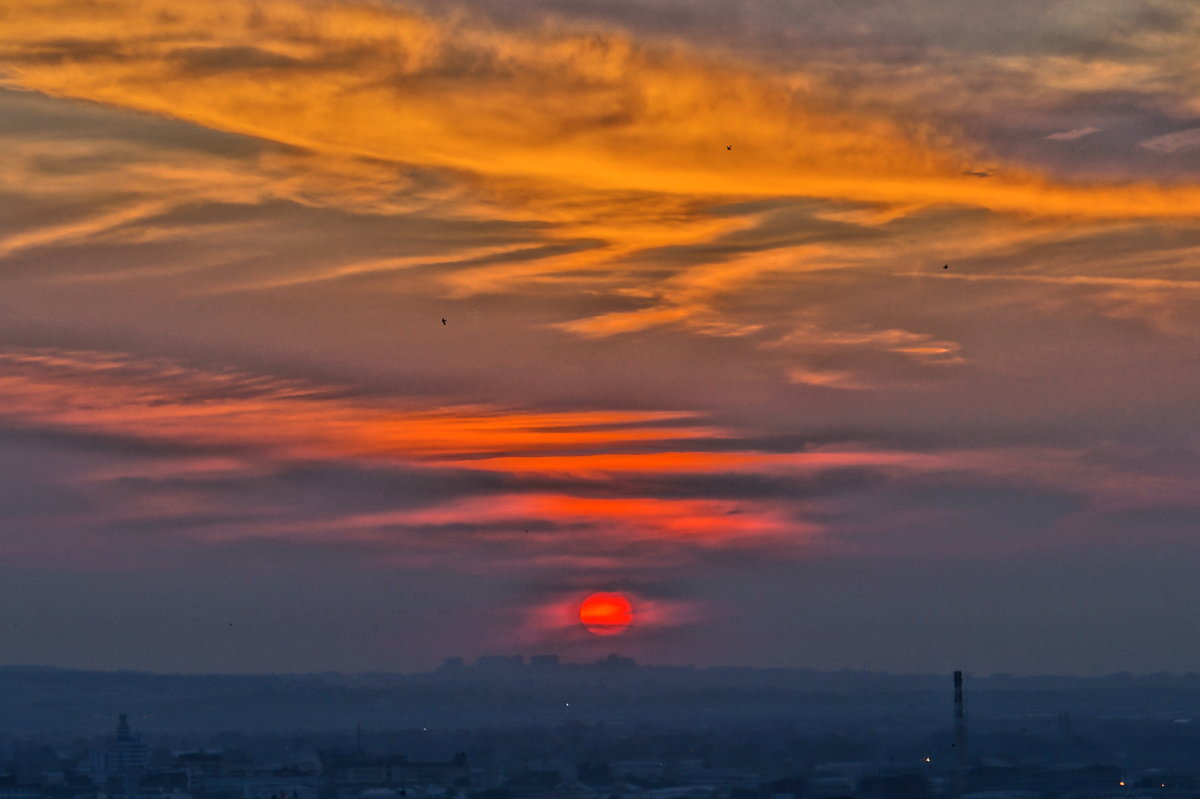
[357, 335]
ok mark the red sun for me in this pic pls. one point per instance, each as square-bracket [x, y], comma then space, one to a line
[606, 613]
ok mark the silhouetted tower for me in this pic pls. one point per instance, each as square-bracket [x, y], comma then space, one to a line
[128, 753]
[960, 736]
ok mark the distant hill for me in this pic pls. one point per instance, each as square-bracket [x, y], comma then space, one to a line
[507, 693]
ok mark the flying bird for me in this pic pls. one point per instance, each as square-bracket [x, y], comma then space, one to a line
[947, 266]
[728, 146]
[443, 321]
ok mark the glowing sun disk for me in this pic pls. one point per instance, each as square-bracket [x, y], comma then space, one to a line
[606, 613]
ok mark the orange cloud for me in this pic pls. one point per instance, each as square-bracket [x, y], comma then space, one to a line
[241, 424]
[601, 491]
[586, 110]
[608, 142]
[161, 401]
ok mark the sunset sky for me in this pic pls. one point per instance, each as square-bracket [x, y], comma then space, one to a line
[700, 347]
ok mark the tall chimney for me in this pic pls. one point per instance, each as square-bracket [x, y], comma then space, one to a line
[960, 735]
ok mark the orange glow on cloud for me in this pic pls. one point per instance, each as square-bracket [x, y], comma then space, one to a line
[675, 462]
[609, 462]
[159, 402]
[243, 424]
[619, 521]
[592, 111]
[699, 520]
[106, 394]
[601, 137]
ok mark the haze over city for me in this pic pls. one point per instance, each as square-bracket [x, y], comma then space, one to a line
[352, 336]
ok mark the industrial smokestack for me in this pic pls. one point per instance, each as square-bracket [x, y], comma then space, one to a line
[960, 735]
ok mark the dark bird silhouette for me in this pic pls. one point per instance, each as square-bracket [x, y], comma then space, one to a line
[728, 146]
[947, 266]
[443, 321]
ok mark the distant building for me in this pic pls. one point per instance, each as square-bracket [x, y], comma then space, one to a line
[500, 664]
[202, 766]
[452, 666]
[198, 765]
[128, 752]
[615, 661]
[166, 784]
[357, 769]
[639, 768]
[19, 792]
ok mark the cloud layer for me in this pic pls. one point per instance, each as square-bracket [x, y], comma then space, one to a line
[726, 303]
